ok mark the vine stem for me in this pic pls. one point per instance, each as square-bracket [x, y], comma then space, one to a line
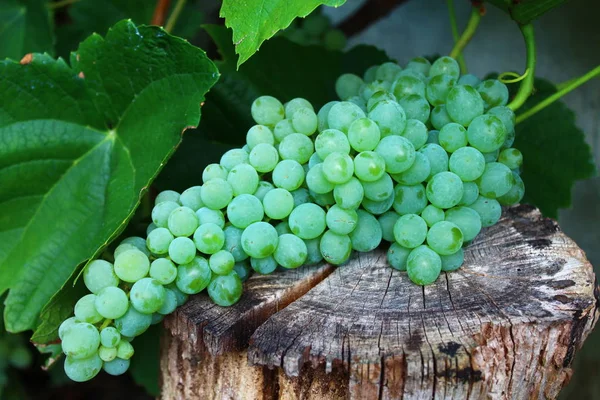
[565, 88]
[455, 34]
[467, 34]
[174, 15]
[526, 87]
[160, 12]
[59, 4]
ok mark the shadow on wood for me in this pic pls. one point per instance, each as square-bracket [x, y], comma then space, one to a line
[505, 325]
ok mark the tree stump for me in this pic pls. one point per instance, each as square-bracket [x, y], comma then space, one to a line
[504, 326]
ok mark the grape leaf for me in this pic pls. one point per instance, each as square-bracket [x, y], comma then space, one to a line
[25, 27]
[555, 153]
[254, 21]
[525, 11]
[80, 145]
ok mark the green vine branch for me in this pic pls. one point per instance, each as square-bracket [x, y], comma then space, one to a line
[563, 90]
[174, 15]
[466, 36]
[526, 87]
[455, 34]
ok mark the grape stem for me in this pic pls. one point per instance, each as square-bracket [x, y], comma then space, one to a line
[469, 32]
[59, 4]
[455, 35]
[174, 15]
[564, 89]
[526, 87]
[105, 323]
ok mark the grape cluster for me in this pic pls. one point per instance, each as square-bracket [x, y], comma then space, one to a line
[315, 29]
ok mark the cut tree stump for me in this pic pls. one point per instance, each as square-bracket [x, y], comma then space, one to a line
[504, 326]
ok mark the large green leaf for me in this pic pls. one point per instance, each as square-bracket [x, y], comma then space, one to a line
[254, 21]
[525, 11]
[25, 27]
[555, 153]
[80, 147]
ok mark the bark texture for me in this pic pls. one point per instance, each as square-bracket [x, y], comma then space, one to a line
[504, 326]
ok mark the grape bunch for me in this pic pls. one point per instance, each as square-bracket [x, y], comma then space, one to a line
[419, 156]
[315, 29]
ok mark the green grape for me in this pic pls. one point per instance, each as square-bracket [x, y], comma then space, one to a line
[111, 303]
[377, 97]
[180, 296]
[163, 270]
[157, 318]
[493, 92]
[264, 266]
[433, 137]
[489, 210]
[409, 199]
[369, 166]
[116, 367]
[463, 104]
[150, 228]
[510, 157]
[125, 350]
[420, 65]
[496, 180]
[347, 85]
[193, 277]
[278, 203]
[212, 171]
[283, 129]
[137, 242]
[334, 39]
[225, 290]
[397, 152]
[507, 116]
[316, 181]
[423, 265]
[259, 134]
[147, 295]
[65, 326]
[466, 219]
[221, 262]
[452, 262]
[452, 137]
[243, 179]
[416, 107]
[407, 85]
[444, 190]
[432, 215]
[314, 160]
[332, 140]
[295, 104]
[416, 133]
[470, 193]
[267, 110]
[243, 270]
[390, 118]
[363, 135]
[468, 163]
[359, 102]
[380, 189]
[342, 115]
[440, 117]
[233, 242]
[297, 147]
[469, 79]
[510, 139]
[370, 73]
[259, 240]
[181, 250]
[80, 341]
[378, 207]
[492, 156]
[438, 88]
[182, 222]
[515, 194]
[107, 354]
[437, 156]
[216, 194]
[167, 195]
[206, 215]
[417, 173]
[132, 265]
[81, 370]
[263, 157]
[158, 240]
[300, 196]
[410, 231]
[334, 248]
[367, 91]
[397, 256]
[99, 274]
[367, 235]
[387, 221]
[264, 187]
[244, 210]
[313, 251]
[322, 117]
[233, 157]
[387, 71]
[445, 65]
[486, 133]
[349, 195]
[291, 251]
[85, 310]
[192, 198]
[445, 238]
[110, 336]
[288, 175]
[340, 220]
[307, 221]
[324, 200]
[161, 212]
[338, 168]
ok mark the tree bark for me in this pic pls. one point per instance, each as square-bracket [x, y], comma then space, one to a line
[506, 325]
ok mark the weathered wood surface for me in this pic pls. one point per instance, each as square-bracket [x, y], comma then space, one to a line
[506, 325]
